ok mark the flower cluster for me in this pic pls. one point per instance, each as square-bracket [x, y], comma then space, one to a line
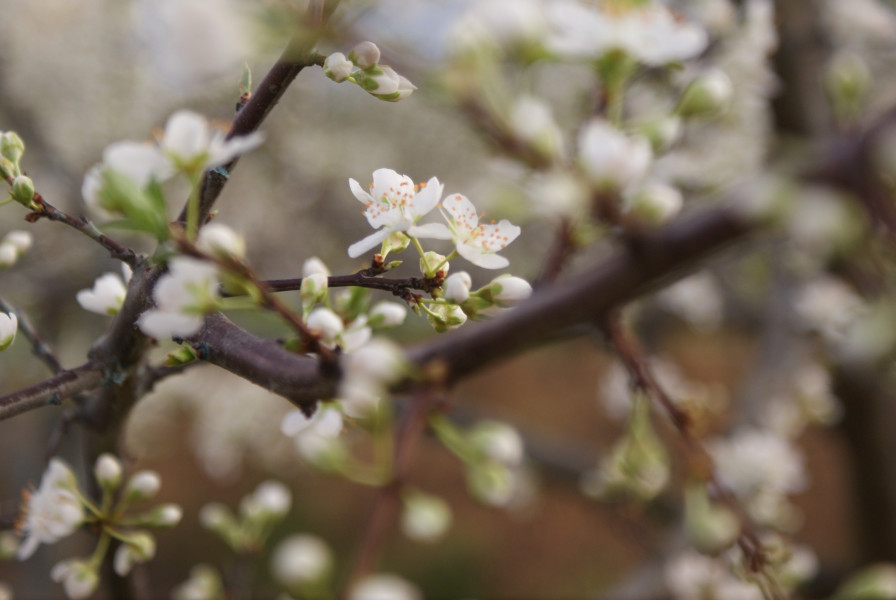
[362, 67]
[58, 508]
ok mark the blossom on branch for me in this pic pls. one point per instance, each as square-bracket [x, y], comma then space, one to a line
[393, 204]
[192, 146]
[479, 243]
[106, 296]
[53, 511]
[183, 297]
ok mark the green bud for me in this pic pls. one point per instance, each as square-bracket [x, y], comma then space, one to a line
[182, 356]
[23, 191]
[877, 582]
[433, 262]
[396, 242]
[711, 528]
[706, 96]
[12, 147]
[8, 169]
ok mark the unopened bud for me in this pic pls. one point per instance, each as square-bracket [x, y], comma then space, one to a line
[365, 55]
[23, 191]
[457, 287]
[337, 67]
[108, 472]
[144, 485]
[396, 242]
[655, 203]
[509, 290]
[12, 147]
[314, 288]
[387, 314]
[708, 95]
[8, 169]
[433, 262]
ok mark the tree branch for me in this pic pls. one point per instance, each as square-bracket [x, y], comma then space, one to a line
[624, 275]
[53, 390]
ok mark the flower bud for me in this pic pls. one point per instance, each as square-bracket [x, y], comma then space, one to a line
[143, 485]
[396, 242]
[215, 516]
[433, 262]
[314, 288]
[300, 559]
[710, 528]
[509, 290]
[655, 203]
[337, 67]
[662, 133]
[498, 442]
[384, 585]
[108, 472]
[425, 518]
[387, 314]
[314, 266]
[12, 147]
[708, 95]
[446, 316]
[457, 287]
[23, 191]
[365, 55]
[325, 323]
[8, 170]
[18, 239]
[163, 516]
[9, 324]
[8, 255]
[271, 499]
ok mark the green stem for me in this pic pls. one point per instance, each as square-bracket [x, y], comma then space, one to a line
[99, 553]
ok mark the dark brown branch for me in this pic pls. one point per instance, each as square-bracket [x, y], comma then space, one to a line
[53, 390]
[623, 276]
[295, 57]
[400, 287]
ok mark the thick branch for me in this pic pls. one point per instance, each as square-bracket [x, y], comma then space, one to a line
[623, 276]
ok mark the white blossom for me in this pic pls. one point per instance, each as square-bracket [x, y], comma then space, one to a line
[384, 586]
[190, 144]
[8, 255]
[499, 442]
[217, 238]
[651, 33]
[314, 266]
[78, 577]
[656, 203]
[478, 242]
[367, 373]
[314, 436]
[53, 511]
[9, 325]
[489, 23]
[365, 55]
[393, 204]
[691, 575]
[509, 290]
[18, 239]
[300, 559]
[532, 122]
[183, 296]
[325, 323]
[106, 297]
[610, 158]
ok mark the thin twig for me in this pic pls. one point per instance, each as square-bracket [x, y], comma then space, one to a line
[116, 250]
[40, 349]
[53, 390]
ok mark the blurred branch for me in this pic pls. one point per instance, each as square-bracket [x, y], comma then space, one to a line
[53, 390]
[38, 347]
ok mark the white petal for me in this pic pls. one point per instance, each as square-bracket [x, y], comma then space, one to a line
[435, 231]
[480, 258]
[186, 134]
[163, 325]
[427, 198]
[372, 240]
[462, 211]
[359, 192]
[222, 152]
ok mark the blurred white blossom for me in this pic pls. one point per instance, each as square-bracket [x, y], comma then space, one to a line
[106, 296]
[610, 158]
[9, 325]
[384, 586]
[53, 511]
[300, 559]
[183, 297]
